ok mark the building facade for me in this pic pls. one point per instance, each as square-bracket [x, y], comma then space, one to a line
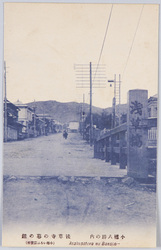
[12, 128]
[25, 117]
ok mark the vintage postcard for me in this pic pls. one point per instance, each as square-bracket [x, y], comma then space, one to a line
[80, 105]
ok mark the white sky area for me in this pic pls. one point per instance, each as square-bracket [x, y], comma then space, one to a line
[43, 41]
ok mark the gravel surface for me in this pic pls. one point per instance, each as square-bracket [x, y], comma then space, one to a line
[83, 200]
[53, 155]
[58, 181]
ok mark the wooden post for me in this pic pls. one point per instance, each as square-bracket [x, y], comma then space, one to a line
[113, 154]
[107, 159]
[137, 134]
[91, 123]
[103, 150]
[95, 149]
[122, 145]
[98, 150]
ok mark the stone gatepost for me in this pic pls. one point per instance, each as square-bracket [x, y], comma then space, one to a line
[137, 134]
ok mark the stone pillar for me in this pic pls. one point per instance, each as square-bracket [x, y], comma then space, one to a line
[137, 134]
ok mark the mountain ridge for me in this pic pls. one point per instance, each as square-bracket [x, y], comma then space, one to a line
[69, 111]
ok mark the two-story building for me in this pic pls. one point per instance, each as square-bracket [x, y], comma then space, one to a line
[152, 120]
[49, 123]
[25, 117]
[12, 128]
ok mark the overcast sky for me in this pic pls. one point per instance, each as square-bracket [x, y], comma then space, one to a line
[43, 41]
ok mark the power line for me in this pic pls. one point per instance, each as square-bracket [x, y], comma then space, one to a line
[104, 40]
[133, 40]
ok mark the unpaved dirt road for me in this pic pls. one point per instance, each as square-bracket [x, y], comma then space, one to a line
[53, 156]
[58, 180]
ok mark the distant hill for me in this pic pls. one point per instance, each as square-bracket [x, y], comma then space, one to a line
[70, 111]
[122, 109]
[62, 112]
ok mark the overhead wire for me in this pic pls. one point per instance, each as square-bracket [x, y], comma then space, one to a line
[133, 40]
[103, 41]
[106, 31]
[107, 26]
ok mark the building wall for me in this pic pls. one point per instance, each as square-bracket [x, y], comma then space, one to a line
[73, 126]
[29, 115]
[12, 133]
[22, 114]
[25, 116]
[152, 109]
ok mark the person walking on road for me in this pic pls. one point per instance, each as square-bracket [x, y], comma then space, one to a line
[65, 134]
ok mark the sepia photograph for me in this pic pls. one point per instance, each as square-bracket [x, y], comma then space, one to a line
[80, 109]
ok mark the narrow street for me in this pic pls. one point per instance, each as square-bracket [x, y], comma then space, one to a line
[58, 180]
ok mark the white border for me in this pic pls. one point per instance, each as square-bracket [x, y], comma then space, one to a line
[159, 114]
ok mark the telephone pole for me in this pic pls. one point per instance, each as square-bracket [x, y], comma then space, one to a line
[119, 99]
[85, 79]
[91, 123]
[116, 99]
[5, 105]
[83, 115]
[34, 119]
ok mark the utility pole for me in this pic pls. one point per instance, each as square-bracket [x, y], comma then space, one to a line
[43, 121]
[34, 119]
[83, 115]
[119, 98]
[85, 79]
[91, 123]
[116, 98]
[114, 103]
[5, 105]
